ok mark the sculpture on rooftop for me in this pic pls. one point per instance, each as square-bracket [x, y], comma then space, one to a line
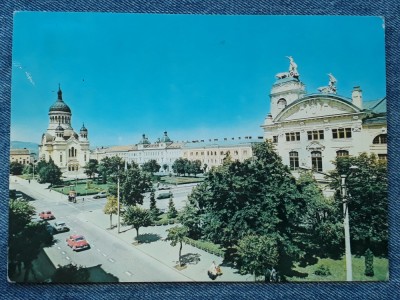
[331, 88]
[292, 70]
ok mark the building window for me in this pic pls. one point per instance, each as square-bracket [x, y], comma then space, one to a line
[60, 157]
[316, 161]
[315, 135]
[292, 136]
[281, 103]
[380, 139]
[275, 139]
[341, 133]
[294, 160]
[341, 153]
[382, 156]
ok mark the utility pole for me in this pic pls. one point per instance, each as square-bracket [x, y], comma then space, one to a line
[118, 224]
[346, 225]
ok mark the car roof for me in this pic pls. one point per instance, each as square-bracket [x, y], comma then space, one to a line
[75, 236]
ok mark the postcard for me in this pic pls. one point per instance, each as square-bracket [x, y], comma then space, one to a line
[197, 148]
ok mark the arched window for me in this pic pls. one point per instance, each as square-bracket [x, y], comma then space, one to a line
[316, 160]
[294, 160]
[380, 139]
[281, 103]
[341, 153]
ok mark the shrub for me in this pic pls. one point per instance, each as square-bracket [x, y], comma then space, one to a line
[369, 263]
[322, 270]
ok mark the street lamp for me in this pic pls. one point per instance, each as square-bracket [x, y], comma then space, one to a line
[346, 225]
[118, 213]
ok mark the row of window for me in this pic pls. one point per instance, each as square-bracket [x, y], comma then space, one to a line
[316, 159]
[341, 133]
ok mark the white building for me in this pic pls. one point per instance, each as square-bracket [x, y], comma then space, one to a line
[68, 150]
[164, 151]
[310, 130]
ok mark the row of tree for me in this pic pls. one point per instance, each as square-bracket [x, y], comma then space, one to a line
[183, 166]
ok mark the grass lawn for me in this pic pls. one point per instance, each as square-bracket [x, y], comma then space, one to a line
[338, 270]
[181, 180]
[81, 188]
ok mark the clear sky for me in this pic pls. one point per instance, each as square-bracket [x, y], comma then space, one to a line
[195, 76]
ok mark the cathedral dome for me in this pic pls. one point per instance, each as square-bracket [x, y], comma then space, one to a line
[59, 105]
[83, 128]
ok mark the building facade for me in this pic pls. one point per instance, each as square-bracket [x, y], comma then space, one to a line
[69, 150]
[310, 130]
[211, 153]
[22, 156]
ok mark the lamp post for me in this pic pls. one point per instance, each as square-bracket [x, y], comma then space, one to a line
[346, 224]
[118, 212]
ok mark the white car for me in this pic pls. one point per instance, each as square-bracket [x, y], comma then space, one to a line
[60, 227]
[100, 195]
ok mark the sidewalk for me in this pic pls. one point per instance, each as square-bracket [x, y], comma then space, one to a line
[197, 261]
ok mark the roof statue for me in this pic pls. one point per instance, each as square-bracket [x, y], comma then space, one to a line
[292, 70]
[331, 88]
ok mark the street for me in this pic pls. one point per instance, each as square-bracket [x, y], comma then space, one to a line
[119, 254]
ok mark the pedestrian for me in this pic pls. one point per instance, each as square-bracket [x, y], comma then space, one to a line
[29, 181]
[212, 271]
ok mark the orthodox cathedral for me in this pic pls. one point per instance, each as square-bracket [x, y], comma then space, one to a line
[69, 151]
[310, 130]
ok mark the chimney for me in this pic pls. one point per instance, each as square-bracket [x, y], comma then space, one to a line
[356, 97]
[225, 139]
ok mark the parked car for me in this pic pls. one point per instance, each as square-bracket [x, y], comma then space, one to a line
[164, 187]
[100, 195]
[46, 215]
[77, 242]
[60, 227]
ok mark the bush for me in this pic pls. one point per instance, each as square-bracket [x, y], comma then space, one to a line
[322, 270]
[369, 263]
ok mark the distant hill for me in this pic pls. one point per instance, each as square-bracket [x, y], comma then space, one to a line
[32, 147]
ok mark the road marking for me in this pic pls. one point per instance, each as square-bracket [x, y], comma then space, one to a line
[105, 255]
[128, 273]
[59, 248]
[63, 252]
[111, 260]
[68, 258]
[98, 250]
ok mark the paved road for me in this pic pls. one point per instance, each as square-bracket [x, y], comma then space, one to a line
[117, 253]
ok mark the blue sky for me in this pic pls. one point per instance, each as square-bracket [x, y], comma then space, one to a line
[195, 76]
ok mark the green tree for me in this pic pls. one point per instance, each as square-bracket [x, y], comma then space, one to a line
[179, 166]
[71, 274]
[16, 168]
[133, 184]
[50, 173]
[137, 217]
[257, 254]
[177, 235]
[165, 167]
[154, 211]
[321, 219]
[23, 232]
[172, 212]
[91, 167]
[110, 168]
[151, 166]
[111, 207]
[196, 167]
[367, 189]
[256, 197]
